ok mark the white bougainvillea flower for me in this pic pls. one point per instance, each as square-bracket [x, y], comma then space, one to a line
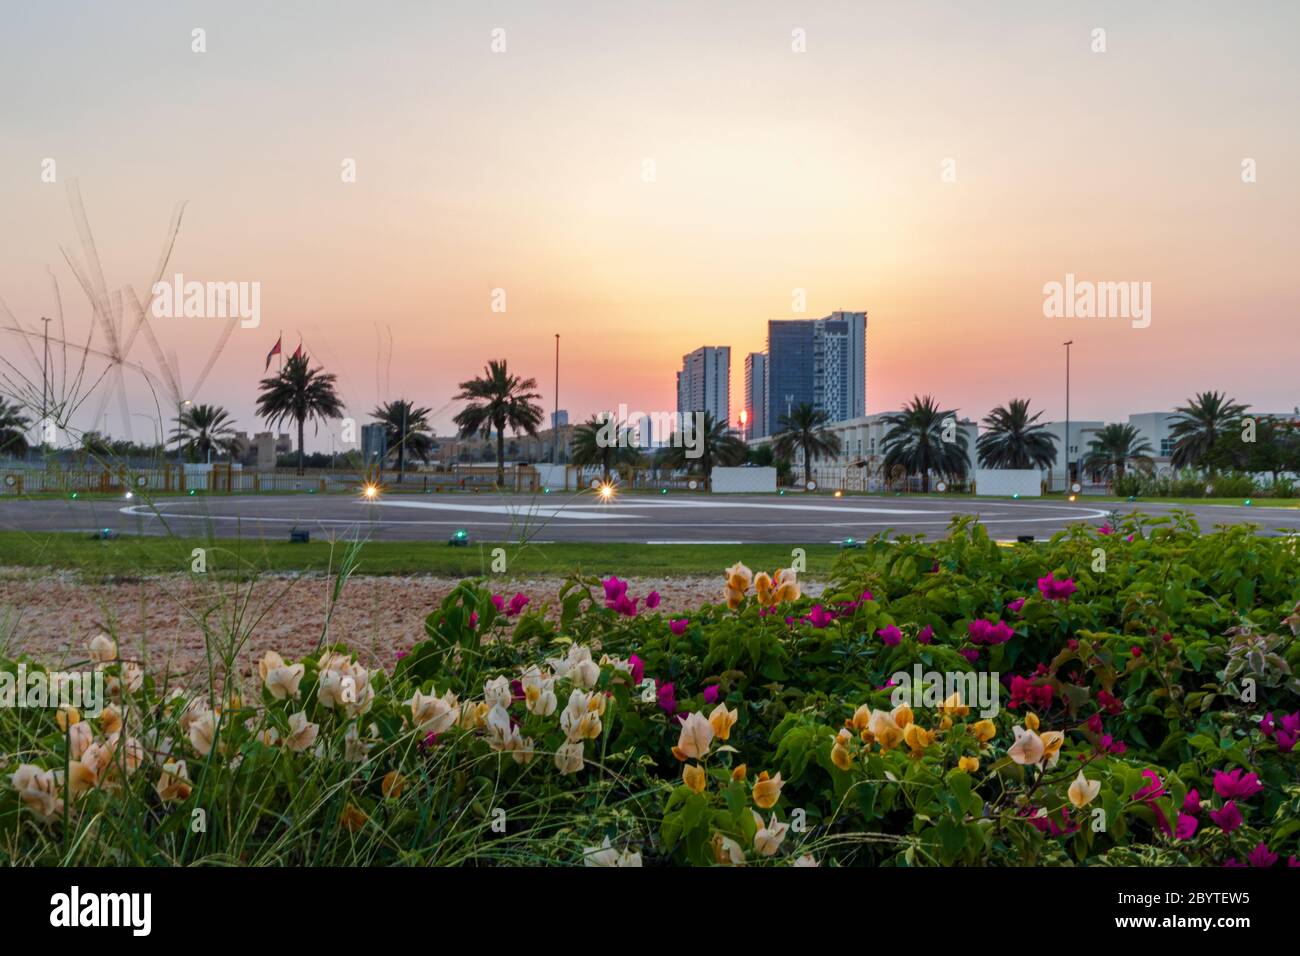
[1083, 791]
[1027, 749]
[497, 692]
[302, 733]
[768, 839]
[38, 789]
[433, 715]
[102, 649]
[694, 738]
[607, 855]
[568, 757]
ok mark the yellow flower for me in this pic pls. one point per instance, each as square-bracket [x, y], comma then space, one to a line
[738, 773]
[739, 577]
[693, 776]
[110, 720]
[902, 715]
[968, 764]
[763, 587]
[734, 598]
[984, 730]
[861, 718]
[1083, 791]
[66, 716]
[1052, 740]
[954, 706]
[352, 818]
[787, 588]
[917, 737]
[722, 720]
[841, 756]
[392, 784]
[1031, 720]
[767, 790]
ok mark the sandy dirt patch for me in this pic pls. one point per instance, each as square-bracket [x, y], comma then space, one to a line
[162, 620]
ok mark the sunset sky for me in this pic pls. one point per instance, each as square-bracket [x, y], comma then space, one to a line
[775, 170]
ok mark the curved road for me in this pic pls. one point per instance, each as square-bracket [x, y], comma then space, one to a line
[680, 518]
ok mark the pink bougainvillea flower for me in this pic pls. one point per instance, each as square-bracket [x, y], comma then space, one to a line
[926, 635]
[1152, 789]
[890, 635]
[1105, 529]
[401, 654]
[1227, 817]
[988, 632]
[652, 600]
[1261, 856]
[1109, 702]
[1186, 826]
[1109, 745]
[819, 616]
[866, 596]
[637, 668]
[1094, 724]
[666, 696]
[971, 654]
[517, 604]
[614, 589]
[473, 620]
[1055, 590]
[1026, 693]
[625, 605]
[1266, 725]
[711, 694]
[1016, 606]
[1232, 785]
[499, 603]
[679, 625]
[1192, 802]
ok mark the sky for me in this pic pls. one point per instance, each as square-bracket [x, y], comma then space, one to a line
[643, 179]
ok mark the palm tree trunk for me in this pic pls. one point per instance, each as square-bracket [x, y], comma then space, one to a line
[301, 423]
[807, 467]
[925, 481]
[401, 459]
[501, 457]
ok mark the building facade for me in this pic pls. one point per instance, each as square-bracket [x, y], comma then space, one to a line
[704, 383]
[819, 362]
[755, 395]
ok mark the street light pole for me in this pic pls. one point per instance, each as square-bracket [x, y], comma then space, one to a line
[45, 364]
[1067, 413]
[555, 419]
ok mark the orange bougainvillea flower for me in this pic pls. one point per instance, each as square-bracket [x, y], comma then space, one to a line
[767, 790]
[392, 784]
[352, 818]
[693, 777]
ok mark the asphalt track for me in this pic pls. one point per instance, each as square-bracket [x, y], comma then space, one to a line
[649, 519]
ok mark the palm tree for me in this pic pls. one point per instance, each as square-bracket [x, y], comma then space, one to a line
[405, 427]
[1201, 424]
[605, 442]
[804, 429]
[1114, 448]
[498, 400]
[298, 393]
[202, 428]
[916, 441]
[698, 449]
[13, 429]
[1012, 440]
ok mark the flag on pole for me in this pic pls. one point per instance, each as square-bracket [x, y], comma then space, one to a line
[297, 353]
[273, 353]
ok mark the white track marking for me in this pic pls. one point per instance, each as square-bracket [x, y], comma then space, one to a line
[549, 511]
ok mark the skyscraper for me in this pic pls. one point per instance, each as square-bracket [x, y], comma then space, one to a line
[704, 383]
[819, 362]
[755, 395]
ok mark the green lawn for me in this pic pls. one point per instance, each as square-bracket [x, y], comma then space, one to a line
[128, 556]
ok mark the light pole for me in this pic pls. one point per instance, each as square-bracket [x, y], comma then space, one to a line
[555, 419]
[1067, 413]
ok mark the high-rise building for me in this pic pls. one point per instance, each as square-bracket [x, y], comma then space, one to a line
[755, 395]
[704, 383]
[819, 362]
[559, 418]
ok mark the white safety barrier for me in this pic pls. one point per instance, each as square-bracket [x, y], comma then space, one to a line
[741, 480]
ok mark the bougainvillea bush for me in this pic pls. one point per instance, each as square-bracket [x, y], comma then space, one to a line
[1125, 695]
